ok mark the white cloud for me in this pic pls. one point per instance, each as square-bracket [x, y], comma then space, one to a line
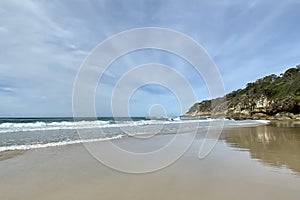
[43, 43]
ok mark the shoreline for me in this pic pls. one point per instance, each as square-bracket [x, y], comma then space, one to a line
[6, 154]
[279, 120]
[256, 116]
[71, 172]
[18, 149]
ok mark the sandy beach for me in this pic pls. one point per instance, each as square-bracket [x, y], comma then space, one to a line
[245, 164]
[149, 100]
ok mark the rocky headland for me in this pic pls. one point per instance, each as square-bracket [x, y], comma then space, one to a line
[272, 98]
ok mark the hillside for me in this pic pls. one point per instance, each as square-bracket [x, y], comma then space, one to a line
[271, 97]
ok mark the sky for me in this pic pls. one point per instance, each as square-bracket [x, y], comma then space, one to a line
[44, 43]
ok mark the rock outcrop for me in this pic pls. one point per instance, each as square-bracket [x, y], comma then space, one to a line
[272, 97]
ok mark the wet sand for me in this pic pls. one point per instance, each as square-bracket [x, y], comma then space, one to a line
[248, 163]
[10, 154]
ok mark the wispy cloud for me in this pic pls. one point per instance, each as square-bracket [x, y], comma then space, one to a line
[43, 44]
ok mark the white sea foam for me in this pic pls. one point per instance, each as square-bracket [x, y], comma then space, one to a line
[38, 126]
[43, 126]
[248, 123]
[54, 144]
[65, 125]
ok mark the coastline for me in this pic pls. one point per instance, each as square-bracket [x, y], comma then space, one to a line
[280, 118]
[270, 98]
[7, 154]
[70, 172]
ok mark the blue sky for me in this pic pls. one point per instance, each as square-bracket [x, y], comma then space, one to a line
[43, 43]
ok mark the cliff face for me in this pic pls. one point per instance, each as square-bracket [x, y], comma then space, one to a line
[272, 97]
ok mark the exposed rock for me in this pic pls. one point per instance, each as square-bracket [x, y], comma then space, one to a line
[272, 97]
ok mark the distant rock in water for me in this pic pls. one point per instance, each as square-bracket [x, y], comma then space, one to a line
[272, 97]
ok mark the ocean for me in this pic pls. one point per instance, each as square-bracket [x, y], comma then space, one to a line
[30, 133]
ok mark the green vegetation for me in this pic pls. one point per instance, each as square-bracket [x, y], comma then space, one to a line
[265, 98]
[282, 91]
[275, 87]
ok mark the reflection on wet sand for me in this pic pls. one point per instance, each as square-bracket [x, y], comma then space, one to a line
[275, 144]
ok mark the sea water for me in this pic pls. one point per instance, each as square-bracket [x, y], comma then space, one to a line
[29, 133]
